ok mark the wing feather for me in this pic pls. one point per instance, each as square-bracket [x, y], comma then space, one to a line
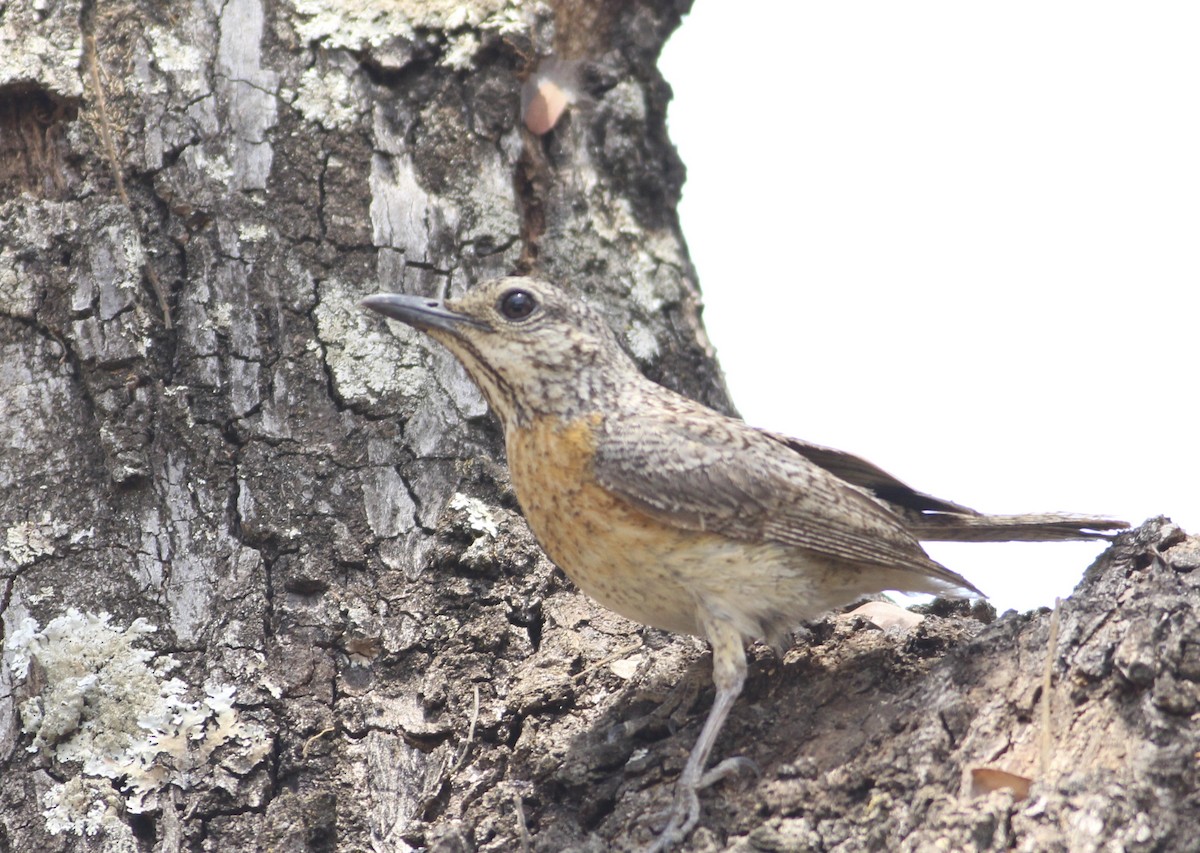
[693, 469]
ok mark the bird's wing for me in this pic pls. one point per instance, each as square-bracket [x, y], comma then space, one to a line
[700, 471]
[860, 472]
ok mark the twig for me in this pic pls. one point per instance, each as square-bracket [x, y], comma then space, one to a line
[617, 655]
[314, 739]
[105, 126]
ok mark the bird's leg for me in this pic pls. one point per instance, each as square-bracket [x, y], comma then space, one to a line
[729, 674]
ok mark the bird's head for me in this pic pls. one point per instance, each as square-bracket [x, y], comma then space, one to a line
[532, 348]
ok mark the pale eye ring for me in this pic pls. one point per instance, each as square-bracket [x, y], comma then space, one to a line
[517, 304]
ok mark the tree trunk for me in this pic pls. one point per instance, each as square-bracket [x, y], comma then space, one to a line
[264, 585]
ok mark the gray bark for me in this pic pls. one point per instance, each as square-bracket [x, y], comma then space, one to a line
[263, 583]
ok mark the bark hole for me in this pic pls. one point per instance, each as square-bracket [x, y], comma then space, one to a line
[32, 150]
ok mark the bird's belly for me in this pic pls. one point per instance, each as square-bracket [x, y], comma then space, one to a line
[648, 571]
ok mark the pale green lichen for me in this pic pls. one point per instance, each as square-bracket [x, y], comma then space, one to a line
[111, 708]
[367, 361]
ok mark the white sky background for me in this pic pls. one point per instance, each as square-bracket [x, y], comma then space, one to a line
[961, 240]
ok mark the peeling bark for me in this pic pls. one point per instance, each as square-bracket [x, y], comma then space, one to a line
[328, 627]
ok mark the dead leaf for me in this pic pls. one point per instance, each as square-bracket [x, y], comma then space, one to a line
[984, 780]
[887, 615]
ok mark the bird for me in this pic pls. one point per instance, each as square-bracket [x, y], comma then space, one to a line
[683, 518]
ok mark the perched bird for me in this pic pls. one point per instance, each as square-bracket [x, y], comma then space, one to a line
[680, 517]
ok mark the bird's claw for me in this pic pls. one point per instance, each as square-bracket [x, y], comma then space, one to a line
[736, 764]
[682, 818]
[684, 813]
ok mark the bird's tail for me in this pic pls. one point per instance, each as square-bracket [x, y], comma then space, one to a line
[934, 519]
[1043, 527]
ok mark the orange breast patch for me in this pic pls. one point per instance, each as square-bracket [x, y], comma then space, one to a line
[614, 552]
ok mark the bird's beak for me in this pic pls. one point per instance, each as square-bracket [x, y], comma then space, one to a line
[420, 312]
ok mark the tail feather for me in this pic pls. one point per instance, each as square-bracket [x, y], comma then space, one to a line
[1035, 527]
[935, 519]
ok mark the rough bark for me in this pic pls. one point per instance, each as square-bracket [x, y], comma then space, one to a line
[327, 627]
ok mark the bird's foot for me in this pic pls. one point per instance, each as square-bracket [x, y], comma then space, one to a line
[684, 813]
[736, 764]
[681, 819]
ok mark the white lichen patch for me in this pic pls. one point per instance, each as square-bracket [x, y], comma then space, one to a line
[27, 541]
[18, 290]
[460, 53]
[326, 99]
[45, 593]
[365, 359]
[479, 516]
[354, 24]
[112, 710]
[172, 55]
[249, 232]
[364, 24]
[89, 806]
[512, 18]
[43, 50]
[212, 165]
[642, 342]
[222, 315]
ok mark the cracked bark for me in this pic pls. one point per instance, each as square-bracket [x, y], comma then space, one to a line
[201, 429]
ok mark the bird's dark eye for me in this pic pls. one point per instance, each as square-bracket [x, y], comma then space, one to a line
[517, 304]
